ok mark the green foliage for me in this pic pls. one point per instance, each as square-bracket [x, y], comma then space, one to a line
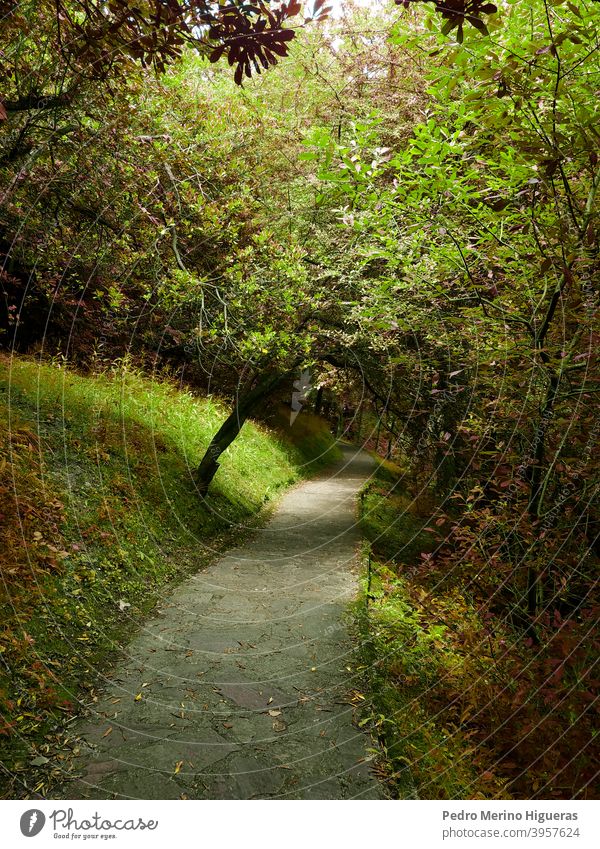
[391, 524]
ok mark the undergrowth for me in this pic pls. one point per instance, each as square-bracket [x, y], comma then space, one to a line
[99, 512]
[465, 704]
[407, 653]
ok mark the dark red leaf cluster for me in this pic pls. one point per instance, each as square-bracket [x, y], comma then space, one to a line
[456, 12]
[252, 42]
[253, 36]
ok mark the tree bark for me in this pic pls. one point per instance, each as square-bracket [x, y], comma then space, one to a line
[359, 421]
[378, 434]
[319, 401]
[42, 101]
[232, 425]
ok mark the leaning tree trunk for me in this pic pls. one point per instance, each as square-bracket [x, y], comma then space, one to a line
[231, 427]
[319, 401]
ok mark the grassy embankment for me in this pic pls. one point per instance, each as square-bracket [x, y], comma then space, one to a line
[418, 643]
[98, 514]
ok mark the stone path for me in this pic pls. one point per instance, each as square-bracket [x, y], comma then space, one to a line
[243, 672]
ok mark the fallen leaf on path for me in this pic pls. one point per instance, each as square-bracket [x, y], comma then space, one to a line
[107, 732]
[178, 766]
[356, 696]
[274, 713]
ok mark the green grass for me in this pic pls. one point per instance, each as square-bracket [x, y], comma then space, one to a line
[392, 522]
[99, 511]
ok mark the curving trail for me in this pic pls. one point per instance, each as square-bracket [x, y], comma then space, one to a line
[246, 692]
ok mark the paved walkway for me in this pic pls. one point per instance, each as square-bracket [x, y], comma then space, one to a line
[238, 687]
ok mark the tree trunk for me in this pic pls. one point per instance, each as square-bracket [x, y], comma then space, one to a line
[231, 427]
[388, 453]
[340, 423]
[319, 401]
